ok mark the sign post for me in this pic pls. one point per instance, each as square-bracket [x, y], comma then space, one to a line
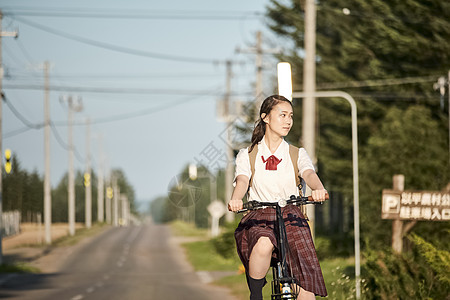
[216, 209]
[401, 205]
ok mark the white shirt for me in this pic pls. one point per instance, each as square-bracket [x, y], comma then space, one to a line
[272, 185]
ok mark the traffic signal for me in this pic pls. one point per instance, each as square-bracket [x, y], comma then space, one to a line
[87, 179]
[8, 161]
[109, 192]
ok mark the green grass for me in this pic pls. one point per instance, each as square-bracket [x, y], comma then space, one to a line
[204, 257]
[180, 228]
[338, 272]
[18, 268]
[339, 275]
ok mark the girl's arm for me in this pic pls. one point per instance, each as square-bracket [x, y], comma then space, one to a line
[239, 192]
[318, 192]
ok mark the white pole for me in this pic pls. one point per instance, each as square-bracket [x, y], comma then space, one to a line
[1, 149]
[88, 187]
[284, 80]
[100, 187]
[47, 184]
[116, 195]
[309, 87]
[229, 168]
[71, 183]
[346, 96]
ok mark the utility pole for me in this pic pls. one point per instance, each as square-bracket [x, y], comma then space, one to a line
[100, 182]
[109, 196]
[309, 87]
[47, 179]
[116, 195]
[2, 34]
[229, 216]
[71, 178]
[88, 178]
[125, 212]
[259, 52]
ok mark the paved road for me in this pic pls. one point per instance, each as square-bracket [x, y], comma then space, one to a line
[137, 262]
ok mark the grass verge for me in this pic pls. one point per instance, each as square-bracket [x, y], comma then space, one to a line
[180, 228]
[21, 267]
[338, 272]
[18, 268]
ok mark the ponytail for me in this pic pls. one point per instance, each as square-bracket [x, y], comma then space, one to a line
[266, 107]
[258, 133]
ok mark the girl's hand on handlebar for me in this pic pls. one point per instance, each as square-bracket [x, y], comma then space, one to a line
[235, 205]
[319, 195]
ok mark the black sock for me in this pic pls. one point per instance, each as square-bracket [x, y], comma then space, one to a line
[256, 286]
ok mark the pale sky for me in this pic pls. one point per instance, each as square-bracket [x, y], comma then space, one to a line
[155, 115]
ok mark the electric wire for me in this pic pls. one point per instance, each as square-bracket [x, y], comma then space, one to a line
[29, 125]
[113, 90]
[64, 145]
[135, 14]
[19, 116]
[25, 52]
[378, 82]
[148, 111]
[115, 48]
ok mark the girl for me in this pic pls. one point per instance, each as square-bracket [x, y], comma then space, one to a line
[274, 179]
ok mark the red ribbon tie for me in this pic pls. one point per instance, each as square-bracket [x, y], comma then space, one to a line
[271, 162]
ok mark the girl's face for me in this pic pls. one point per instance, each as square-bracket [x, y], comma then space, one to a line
[280, 119]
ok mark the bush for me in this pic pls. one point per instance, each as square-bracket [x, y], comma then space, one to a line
[422, 273]
[225, 243]
[338, 245]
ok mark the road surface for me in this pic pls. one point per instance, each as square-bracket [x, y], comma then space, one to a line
[136, 262]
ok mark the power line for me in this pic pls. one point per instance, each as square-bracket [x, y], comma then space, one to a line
[29, 125]
[19, 115]
[134, 14]
[64, 145]
[148, 111]
[115, 118]
[377, 82]
[110, 90]
[114, 47]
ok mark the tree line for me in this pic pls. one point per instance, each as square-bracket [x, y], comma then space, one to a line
[24, 191]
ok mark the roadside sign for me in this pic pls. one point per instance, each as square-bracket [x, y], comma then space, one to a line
[415, 205]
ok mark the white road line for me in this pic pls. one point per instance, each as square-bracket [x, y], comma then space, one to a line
[90, 290]
[77, 297]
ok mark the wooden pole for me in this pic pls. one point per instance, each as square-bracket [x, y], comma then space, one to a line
[398, 184]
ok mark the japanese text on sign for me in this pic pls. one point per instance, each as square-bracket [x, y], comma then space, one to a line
[414, 205]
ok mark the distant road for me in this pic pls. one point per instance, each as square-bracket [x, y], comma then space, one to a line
[136, 262]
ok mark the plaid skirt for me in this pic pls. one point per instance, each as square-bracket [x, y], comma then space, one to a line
[301, 254]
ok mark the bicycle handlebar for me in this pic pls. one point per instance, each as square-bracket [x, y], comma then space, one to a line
[253, 205]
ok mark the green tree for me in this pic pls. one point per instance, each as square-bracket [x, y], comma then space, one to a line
[409, 143]
[187, 199]
[378, 40]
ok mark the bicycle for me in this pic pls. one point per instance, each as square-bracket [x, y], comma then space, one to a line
[282, 284]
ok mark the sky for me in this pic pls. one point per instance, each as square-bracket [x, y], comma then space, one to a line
[148, 74]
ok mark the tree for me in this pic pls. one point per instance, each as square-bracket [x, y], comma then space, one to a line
[378, 40]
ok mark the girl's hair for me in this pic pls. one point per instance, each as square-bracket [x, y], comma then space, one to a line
[266, 108]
